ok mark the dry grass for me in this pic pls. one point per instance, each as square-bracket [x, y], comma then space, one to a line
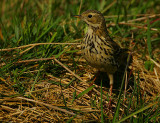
[47, 103]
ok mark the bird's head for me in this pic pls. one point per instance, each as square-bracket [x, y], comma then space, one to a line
[93, 18]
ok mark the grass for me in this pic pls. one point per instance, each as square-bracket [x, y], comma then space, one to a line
[44, 78]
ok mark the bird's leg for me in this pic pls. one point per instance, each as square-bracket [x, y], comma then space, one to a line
[97, 74]
[90, 92]
[111, 87]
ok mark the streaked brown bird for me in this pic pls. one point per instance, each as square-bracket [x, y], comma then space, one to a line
[98, 48]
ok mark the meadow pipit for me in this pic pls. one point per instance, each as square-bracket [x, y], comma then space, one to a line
[98, 48]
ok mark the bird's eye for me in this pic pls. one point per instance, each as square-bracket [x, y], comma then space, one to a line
[89, 16]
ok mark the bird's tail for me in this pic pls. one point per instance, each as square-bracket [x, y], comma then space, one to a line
[124, 57]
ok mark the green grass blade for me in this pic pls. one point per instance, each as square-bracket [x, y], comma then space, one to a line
[36, 79]
[70, 120]
[138, 111]
[149, 39]
[74, 96]
[102, 118]
[85, 91]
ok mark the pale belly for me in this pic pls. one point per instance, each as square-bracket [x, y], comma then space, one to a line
[98, 61]
[98, 53]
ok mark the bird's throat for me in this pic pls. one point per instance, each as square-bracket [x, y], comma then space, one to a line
[90, 30]
[101, 32]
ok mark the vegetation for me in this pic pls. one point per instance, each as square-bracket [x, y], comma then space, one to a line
[44, 78]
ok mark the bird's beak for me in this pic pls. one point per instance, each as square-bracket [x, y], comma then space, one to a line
[76, 16]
